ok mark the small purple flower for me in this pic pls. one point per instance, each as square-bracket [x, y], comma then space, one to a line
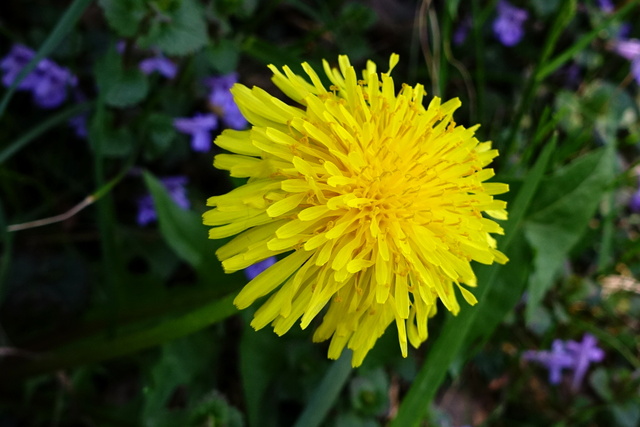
[48, 82]
[252, 271]
[624, 31]
[634, 202]
[606, 6]
[571, 75]
[508, 25]
[11, 65]
[461, 33]
[555, 360]
[583, 353]
[79, 125]
[199, 127]
[51, 82]
[222, 101]
[628, 49]
[175, 185]
[160, 64]
[635, 69]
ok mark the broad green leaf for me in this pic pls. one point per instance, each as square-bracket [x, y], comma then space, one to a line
[161, 133]
[564, 206]
[223, 56]
[113, 142]
[627, 414]
[453, 337]
[184, 233]
[179, 31]
[124, 16]
[185, 362]
[120, 87]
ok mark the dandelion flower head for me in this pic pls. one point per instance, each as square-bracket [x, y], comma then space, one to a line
[373, 204]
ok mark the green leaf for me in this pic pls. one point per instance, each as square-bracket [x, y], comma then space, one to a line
[223, 56]
[180, 32]
[161, 133]
[260, 362]
[453, 337]
[627, 414]
[113, 142]
[186, 362]
[184, 233]
[327, 392]
[124, 16]
[131, 337]
[564, 206]
[121, 87]
[452, 8]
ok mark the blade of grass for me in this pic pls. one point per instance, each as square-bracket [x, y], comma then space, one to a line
[452, 338]
[64, 26]
[564, 16]
[18, 144]
[327, 392]
[111, 266]
[552, 65]
[138, 336]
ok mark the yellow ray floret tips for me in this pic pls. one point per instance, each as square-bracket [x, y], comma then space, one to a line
[374, 204]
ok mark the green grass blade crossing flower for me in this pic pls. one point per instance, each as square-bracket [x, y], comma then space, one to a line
[327, 392]
[60, 31]
[452, 338]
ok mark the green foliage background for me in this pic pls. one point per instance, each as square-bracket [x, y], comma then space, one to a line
[103, 322]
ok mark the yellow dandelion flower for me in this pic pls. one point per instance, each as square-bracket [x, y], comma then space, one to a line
[376, 201]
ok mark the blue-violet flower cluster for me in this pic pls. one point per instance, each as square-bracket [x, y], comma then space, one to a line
[222, 104]
[508, 26]
[571, 355]
[48, 82]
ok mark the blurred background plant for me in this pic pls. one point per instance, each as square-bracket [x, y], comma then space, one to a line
[114, 310]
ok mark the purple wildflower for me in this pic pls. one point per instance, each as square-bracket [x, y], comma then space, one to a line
[624, 31]
[508, 25]
[635, 69]
[50, 87]
[606, 6]
[79, 125]
[222, 101]
[630, 49]
[571, 75]
[48, 82]
[175, 185]
[634, 202]
[583, 354]
[11, 65]
[199, 127]
[160, 64]
[461, 33]
[253, 270]
[555, 360]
